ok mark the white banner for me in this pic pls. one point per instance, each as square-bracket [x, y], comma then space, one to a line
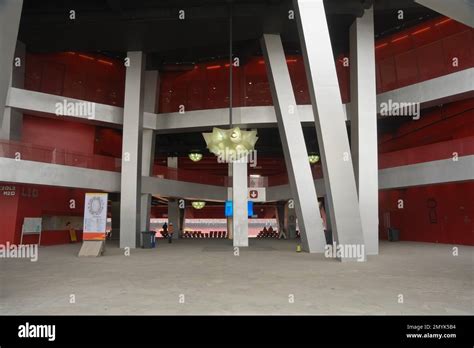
[95, 216]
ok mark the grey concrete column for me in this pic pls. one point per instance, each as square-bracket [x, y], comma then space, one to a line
[328, 208]
[173, 204]
[10, 14]
[280, 212]
[10, 127]
[240, 220]
[290, 220]
[363, 116]
[230, 234]
[174, 216]
[148, 145]
[329, 120]
[294, 146]
[130, 197]
[459, 10]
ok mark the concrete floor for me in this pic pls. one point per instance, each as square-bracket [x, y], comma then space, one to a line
[259, 281]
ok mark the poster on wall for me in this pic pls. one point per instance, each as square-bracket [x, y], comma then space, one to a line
[95, 216]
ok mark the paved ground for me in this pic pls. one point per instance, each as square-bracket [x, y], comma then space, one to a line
[262, 280]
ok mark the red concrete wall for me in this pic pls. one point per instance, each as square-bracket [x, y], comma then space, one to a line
[451, 221]
[449, 122]
[39, 201]
[436, 135]
[9, 209]
[413, 55]
[77, 75]
[59, 133]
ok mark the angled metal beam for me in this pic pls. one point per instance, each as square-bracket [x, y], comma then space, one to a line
[12, 124]
[329, 120]
[294, 147]
[364, 126]
[10, 13]
[459, 10]
[148, 144]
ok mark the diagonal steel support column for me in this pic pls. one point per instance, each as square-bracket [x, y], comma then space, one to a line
[11, 126]
[459, 10]
[363, 115]
[329, 120]
[148, 144]
[10, 14]
[130, 193]
[294, 147]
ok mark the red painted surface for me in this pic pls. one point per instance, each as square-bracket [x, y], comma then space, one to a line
[441, 132]
[9, 209]
[449, 122]
[413, 55]
[58, 133]
[433, 152]
[451, 221]
[77, 75]
[39, 201]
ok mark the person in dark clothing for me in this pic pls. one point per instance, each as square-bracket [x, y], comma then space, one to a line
[170, 232]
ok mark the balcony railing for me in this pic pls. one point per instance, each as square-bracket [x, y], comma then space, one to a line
[452, 149]
[30, 152]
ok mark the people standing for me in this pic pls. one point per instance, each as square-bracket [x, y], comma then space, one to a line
[170, 232]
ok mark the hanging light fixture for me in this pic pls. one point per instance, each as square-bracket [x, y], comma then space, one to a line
[195, 156]
[313, 158]
[233, 143]
[198, 204]
[230, 144]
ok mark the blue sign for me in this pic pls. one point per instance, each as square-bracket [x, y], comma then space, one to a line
[229, 211]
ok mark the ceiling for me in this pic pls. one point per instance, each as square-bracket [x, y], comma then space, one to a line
[114, 27]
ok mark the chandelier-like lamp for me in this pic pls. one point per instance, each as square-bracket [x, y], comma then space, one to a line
[195, 156]
[230, 144]
[313, 158]
[198, 204]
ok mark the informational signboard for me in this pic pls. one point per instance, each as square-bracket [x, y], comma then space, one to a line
[95, 216]
[31, 226]
[257, 194]
[229, 209]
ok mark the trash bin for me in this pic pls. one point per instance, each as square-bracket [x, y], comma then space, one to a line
[148, 238]
[393, 235]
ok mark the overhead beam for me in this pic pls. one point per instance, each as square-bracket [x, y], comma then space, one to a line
[440, 90]
[459, 10]
[428, 173]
